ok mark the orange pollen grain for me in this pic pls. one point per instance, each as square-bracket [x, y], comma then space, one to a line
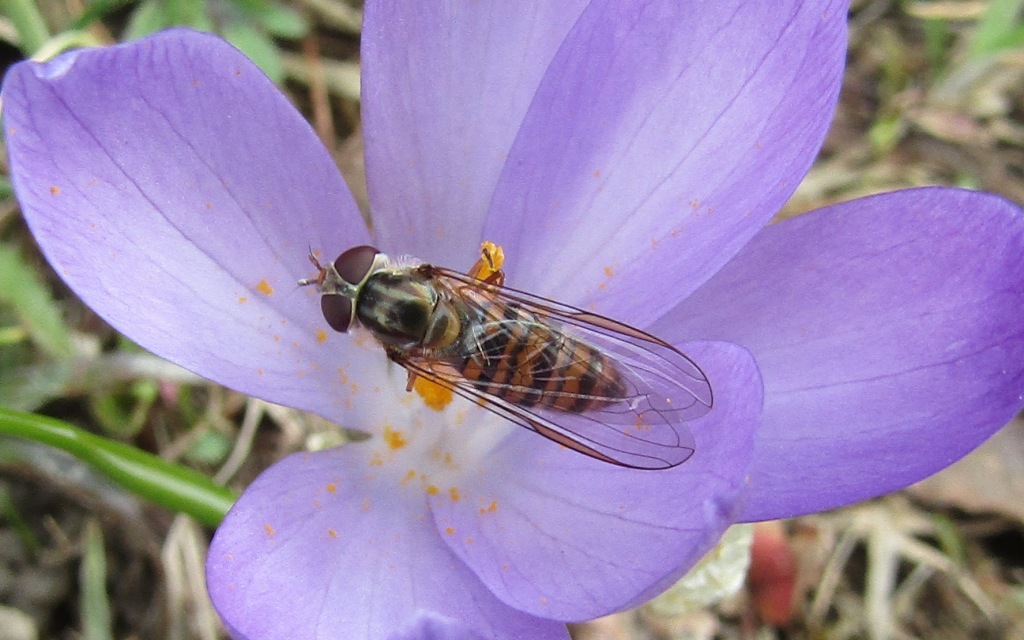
[449, 530]
[265, 288]
[409, 476]
[55, 190]
[269, 529]
[608, 272]
[641, 424]
[434, 396]
[332, 533]
[321, 336]
[243, 299]
[394, 438]
[454, 494]
[432, 490]
[331, 487]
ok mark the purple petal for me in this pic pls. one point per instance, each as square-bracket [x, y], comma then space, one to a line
[178, 193]
[445, 87]
[562, 536]
[321, 546]
[434, 627]
[663, 136]
[889, 334]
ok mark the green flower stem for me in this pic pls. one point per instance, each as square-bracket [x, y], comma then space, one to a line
[170, 485]
[29, 23]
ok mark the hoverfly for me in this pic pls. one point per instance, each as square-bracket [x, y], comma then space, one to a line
[587, 382]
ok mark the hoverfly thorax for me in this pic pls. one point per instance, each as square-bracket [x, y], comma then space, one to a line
[405, 309]
[397, 307]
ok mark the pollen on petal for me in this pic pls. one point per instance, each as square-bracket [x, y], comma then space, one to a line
[55, 190]
[265, 288]
[449, 461]
[434, 396]
[321, 336]
[432, 490]
[269, 529]
[332, 533]
[641, 425]
[454, 494]
[394, 438]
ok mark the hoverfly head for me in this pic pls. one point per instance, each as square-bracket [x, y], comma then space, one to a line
[340, 282]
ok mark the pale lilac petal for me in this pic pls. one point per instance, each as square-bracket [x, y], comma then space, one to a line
[889, 334]
[178, 193]
[662, 137]
[562, 536]
[445, 87]
[320, 547]
[434, 627]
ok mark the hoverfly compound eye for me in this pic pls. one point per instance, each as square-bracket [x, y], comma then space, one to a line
[337, 311]
[354, 265]
[340, 284]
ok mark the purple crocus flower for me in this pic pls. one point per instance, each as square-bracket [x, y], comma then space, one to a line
[627, 156]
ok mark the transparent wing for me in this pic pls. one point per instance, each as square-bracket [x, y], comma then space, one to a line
[641, 427]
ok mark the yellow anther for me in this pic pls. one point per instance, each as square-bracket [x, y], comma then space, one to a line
[493, 259]
[434, 395]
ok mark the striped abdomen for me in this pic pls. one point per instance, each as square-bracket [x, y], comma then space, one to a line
[517, 357]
